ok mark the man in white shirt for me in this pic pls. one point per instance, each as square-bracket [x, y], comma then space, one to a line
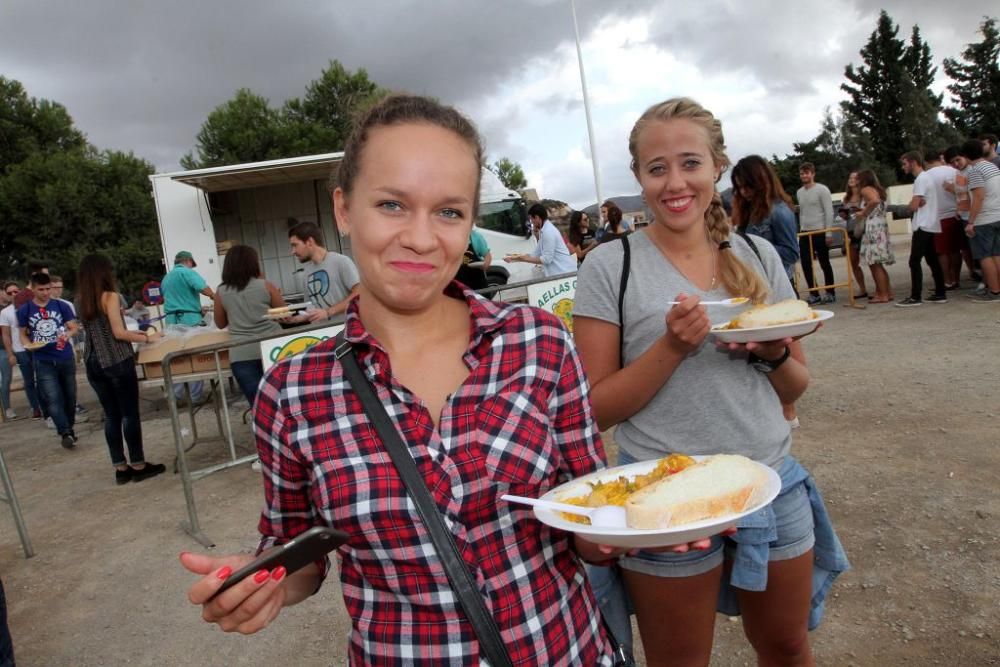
[926, 225]
[983, 226]
[551, 252]
[7, 359]
[951, 243]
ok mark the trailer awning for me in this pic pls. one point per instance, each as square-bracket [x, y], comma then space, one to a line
[257, 174]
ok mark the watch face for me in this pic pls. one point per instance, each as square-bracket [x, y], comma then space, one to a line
[763, 366]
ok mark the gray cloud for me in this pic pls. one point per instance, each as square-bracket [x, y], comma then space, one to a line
[142, 76]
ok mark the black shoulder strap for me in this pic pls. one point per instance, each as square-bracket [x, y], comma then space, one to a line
[626, 268]
[753, 246]
[459, 576]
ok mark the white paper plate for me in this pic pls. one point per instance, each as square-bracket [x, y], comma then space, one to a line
[635, 538]
[776, 332]
[293, 307]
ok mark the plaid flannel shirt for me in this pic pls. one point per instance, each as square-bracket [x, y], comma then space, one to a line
[521, 423]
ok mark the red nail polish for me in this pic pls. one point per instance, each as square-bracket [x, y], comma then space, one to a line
[261, 576]
[278, 573]
[224, 572]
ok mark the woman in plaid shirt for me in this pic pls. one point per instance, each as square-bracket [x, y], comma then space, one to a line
[490, 398]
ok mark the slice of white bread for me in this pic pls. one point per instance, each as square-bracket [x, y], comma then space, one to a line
[783, 312]
[280, 310]
[712, 488]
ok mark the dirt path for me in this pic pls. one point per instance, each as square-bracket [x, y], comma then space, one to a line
[901, 427]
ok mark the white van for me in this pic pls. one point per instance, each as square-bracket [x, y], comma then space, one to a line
[201, 210]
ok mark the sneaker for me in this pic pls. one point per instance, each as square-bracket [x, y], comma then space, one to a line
[68, 442]
[952, 287]
[934, 298]
[80, 409]
[793, 423]
[36, 414]
[979, 291]
[909, 303]
[49, 423]
[10, 414]
[123, 476]
[255, 466]
[987, 297]
[150, 470]
[829, 298]
[814, 300]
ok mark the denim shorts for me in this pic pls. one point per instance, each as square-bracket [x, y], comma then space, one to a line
[986, 242]
[794, 522]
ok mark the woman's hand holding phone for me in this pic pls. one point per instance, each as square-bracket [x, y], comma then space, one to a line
[246, 607]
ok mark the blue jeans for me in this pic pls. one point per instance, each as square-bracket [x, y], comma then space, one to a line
[117, 389]
[5, 375]
[6, 645]
[57, 386]
[197, 389]
[248, 375]
[27, 366]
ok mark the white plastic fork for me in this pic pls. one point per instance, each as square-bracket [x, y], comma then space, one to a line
[606, 516]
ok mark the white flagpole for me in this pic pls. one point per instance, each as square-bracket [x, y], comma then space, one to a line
[586, 108]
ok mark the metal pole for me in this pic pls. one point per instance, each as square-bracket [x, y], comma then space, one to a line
[586, 108]
[15, 508]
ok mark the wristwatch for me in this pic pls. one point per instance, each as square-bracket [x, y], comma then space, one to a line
[765, 365]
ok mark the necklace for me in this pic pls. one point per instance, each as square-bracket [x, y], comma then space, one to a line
[715, 257]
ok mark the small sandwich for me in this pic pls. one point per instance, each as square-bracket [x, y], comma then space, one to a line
[713, 488]
[788, 311]
[281, 311]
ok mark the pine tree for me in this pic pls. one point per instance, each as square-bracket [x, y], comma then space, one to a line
[976, 91]
[876, 89]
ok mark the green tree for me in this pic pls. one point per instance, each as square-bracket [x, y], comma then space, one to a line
[976, 87]
[322, 120]
[248, 129]
[61, 206]
[509, 173]
[840, 148]
[244, 129]
[28, 125]
[890, 97]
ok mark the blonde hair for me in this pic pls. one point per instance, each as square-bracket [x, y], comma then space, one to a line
[737, 277]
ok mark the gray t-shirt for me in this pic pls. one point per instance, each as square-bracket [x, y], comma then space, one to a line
[245, 310]
[327, 282]
[714, 402]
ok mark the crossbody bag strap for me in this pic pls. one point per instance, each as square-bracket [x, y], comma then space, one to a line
[458, 573]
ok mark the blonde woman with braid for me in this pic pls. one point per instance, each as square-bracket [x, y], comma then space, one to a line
[669, 388]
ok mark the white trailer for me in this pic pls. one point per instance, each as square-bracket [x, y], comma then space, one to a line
[200, 210]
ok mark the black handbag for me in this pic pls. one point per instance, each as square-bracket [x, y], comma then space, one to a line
[444, 543]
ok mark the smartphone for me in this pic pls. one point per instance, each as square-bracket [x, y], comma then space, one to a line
[295, 554]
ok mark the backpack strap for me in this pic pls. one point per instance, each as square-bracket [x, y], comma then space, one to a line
[626, 268]
[753, 246]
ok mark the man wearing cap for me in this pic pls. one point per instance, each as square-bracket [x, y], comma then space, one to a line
[182, 288]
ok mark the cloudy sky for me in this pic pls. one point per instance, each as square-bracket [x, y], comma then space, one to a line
[142, 76]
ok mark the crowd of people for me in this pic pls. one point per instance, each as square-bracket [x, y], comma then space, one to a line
[491, 397]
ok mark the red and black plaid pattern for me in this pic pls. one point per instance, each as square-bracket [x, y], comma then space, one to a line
[521, 423]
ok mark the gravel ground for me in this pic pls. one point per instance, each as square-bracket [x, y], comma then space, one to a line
[900, 428]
